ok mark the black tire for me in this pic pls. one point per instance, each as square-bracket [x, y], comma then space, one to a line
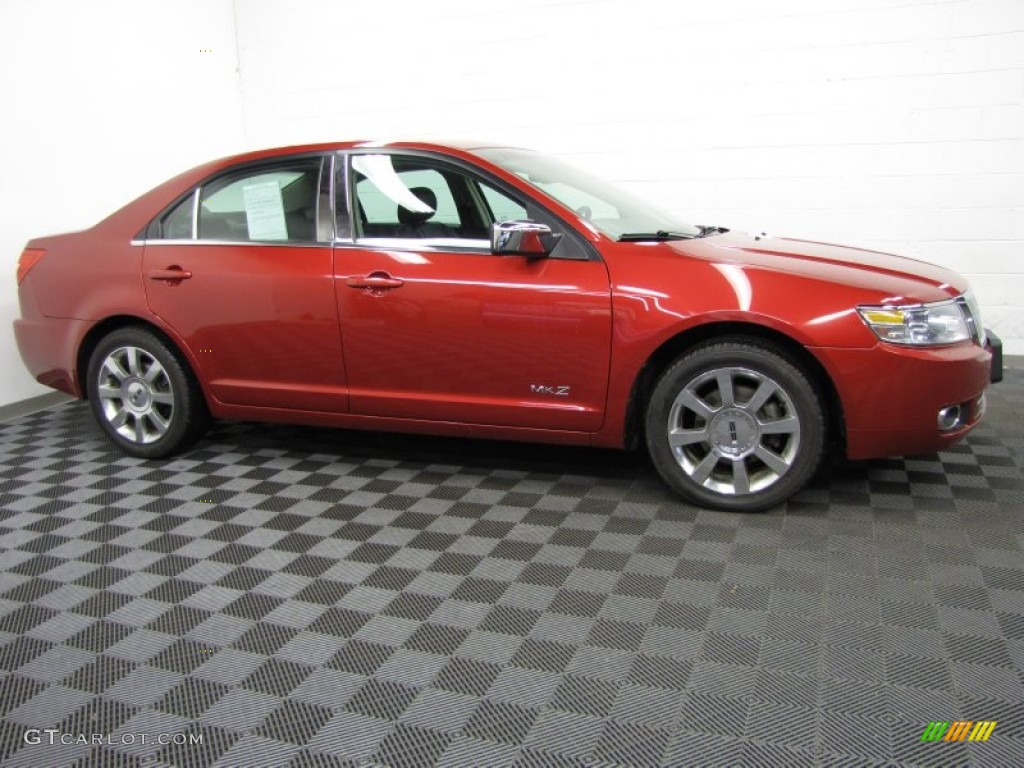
[143, 396]
[774, 427]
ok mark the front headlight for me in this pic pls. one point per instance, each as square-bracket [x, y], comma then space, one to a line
[920, 325]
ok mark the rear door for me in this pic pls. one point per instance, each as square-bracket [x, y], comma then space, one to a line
[436, 327]
[242, 270]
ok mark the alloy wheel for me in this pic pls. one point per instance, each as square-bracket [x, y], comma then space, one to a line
[734, 431]
[136, 394]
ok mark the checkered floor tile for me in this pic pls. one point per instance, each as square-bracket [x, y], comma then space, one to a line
[287, 596]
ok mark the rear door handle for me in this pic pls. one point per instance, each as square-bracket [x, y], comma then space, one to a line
[376, 281]
[171, 273]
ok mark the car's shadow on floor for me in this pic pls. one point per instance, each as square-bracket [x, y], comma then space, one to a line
[629, 472]
[624, 474]
[532, 458]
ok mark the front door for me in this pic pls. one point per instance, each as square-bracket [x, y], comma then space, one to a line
[438, 328]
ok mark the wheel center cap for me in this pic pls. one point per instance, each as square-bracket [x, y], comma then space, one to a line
[734, 433]
[137, 395]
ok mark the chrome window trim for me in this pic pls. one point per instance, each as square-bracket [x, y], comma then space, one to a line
[317, 212]
[247, 243]
[422, 245]
[343, 173]
[348, 186]
[328, 167]
[195, 212]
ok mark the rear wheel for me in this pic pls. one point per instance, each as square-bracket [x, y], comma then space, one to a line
[735, 425]
[143, 397]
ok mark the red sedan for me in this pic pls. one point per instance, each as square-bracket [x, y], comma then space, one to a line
[495, 292]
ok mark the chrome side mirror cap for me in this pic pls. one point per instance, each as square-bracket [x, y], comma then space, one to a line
[523, 238]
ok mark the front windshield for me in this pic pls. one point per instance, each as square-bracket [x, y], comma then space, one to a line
[612, 210]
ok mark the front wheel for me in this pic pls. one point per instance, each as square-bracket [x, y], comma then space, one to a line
[143, 397]
[735, 425]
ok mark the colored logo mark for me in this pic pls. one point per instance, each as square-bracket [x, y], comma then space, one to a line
[958, 730]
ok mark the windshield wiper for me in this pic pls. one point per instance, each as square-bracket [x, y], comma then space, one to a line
[705, 231]
[661, 234]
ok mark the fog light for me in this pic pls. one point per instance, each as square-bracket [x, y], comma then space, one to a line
[949, 418]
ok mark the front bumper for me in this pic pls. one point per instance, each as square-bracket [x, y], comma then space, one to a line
[891, 396]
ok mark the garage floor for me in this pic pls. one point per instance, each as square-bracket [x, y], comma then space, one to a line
[313, 597]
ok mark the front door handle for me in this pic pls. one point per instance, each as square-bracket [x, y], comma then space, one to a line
[375, 281]
[171, 273]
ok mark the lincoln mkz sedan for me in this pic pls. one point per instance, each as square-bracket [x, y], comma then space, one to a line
[494, 292]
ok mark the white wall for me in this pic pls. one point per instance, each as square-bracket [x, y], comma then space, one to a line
[101, 101]
[892, 124]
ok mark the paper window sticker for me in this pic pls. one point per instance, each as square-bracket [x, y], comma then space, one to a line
[264, 211]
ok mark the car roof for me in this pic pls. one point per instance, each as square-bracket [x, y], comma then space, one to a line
[463, 145]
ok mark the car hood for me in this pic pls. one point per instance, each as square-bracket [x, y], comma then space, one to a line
[894, 277]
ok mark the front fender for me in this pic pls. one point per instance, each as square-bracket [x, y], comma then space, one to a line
[655, 318]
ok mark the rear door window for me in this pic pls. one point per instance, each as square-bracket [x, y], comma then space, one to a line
[275, 203]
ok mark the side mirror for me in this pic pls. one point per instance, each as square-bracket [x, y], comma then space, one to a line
[523, 238]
